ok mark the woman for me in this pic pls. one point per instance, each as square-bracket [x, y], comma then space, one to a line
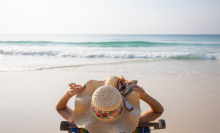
[153, 113]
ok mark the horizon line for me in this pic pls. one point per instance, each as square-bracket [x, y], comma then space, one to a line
[110, 34]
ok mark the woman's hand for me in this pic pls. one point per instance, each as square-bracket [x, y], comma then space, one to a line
[75, 89]
[142, 94]
[156, 109]
[61, 105]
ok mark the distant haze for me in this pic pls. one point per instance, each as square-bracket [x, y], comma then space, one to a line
[110, 17]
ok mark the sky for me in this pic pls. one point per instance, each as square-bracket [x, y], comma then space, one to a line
[109, 16]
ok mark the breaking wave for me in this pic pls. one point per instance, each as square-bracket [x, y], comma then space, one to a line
[112, 54]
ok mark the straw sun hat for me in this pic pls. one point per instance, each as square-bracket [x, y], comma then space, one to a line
[108, 106]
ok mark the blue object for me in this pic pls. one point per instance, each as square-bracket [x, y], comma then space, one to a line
[74, 130]
[146, 130]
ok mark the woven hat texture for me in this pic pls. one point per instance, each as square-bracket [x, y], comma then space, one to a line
[105, 97]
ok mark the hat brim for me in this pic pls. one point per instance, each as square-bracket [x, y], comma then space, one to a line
[85, 118]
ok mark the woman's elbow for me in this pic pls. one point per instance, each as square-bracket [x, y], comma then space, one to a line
[57, 107]
[161, 110]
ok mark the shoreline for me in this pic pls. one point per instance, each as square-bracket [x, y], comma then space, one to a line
[70, 71]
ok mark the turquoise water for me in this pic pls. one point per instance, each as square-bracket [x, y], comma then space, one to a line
[153, 54]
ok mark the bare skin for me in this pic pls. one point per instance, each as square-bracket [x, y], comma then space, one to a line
[153, 113]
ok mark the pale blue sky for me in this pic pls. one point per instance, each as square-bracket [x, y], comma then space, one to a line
[109, 17]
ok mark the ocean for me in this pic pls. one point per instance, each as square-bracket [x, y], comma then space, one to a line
[197, 55]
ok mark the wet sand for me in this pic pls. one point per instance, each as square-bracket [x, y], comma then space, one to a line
[27, 100]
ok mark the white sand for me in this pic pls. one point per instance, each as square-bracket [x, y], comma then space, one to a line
[27, 100]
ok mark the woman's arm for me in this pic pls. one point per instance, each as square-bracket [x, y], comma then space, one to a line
[156, 109]
[61, 105]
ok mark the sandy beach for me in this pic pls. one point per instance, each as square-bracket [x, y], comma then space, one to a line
[28, 100]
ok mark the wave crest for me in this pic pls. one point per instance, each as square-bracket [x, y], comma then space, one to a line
[112, 54]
